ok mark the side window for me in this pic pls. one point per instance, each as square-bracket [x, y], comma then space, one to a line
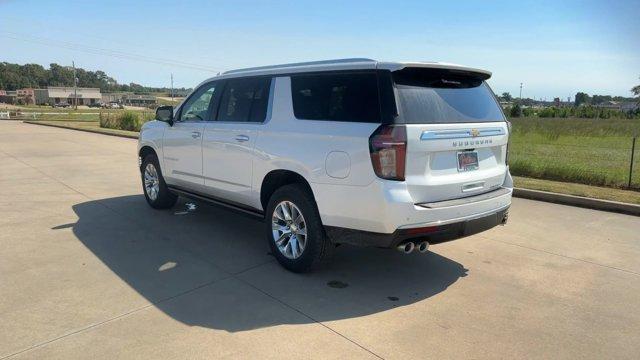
[351, 97]
[244, 100]
[197, 107]
[260, 100]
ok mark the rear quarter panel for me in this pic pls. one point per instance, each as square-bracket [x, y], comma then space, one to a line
[302, 146]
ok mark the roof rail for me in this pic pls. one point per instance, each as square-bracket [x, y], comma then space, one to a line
[321, 62]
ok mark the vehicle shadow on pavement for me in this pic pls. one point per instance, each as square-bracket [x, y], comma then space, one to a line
[210, 267]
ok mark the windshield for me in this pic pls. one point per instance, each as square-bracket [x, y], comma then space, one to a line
[444, 96]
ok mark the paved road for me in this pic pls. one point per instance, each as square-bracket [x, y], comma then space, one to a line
[87, 270]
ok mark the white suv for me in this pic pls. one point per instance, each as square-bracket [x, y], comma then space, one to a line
[386, 154]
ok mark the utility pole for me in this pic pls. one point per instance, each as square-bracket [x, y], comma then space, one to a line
[520, 92]
[75, 86]
[171, 88]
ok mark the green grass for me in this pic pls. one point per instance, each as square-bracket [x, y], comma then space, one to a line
[47, 113]
[127, 120]
[596, 192]
[67, 117]
[586, 151]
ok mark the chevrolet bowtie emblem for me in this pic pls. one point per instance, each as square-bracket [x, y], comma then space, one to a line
[475, 132]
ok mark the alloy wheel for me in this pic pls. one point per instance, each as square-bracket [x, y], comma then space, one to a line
[289, 229]
[151, 181]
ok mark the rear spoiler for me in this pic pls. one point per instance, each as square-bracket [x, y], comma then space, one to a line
[482, 74]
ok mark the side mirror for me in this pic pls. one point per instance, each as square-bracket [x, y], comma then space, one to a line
[165, 113]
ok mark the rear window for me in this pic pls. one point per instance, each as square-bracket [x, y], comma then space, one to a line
[444, 96]
[351, 97]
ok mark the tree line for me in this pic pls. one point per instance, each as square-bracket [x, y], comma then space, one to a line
[583, 112]
[584, 107]
[581, 98]
[16, 76]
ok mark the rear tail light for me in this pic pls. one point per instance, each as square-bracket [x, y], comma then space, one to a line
[388, 149]
[506, 158]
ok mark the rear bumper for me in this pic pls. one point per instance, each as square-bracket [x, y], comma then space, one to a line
[385, 207]
[433, 234]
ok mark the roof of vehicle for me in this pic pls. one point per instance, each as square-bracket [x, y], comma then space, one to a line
[345, 64]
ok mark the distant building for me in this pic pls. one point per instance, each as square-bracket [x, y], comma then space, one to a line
[139, 100]
[505, 104]
[619, 105]
[629, 106]
[57, 94]
[130, 99]
[8, 97]
[25, 92]
[613, 105]
[114, 97]
[179, 92]
[26, 96]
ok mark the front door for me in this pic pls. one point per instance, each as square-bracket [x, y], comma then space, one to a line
[182, 143]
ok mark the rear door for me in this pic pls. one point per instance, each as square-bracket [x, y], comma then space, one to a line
[456, 133]
[229, 140]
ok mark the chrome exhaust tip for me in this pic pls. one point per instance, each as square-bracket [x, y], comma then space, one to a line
[423, 247]
[406, 248]
[505, 218]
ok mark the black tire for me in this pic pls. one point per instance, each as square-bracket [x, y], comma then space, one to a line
[318, 248]
[165, 198]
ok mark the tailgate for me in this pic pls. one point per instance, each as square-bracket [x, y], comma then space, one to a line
[456, 133]
[433, 171]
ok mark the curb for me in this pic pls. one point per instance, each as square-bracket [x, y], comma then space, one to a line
[128, 136]
[579, 201]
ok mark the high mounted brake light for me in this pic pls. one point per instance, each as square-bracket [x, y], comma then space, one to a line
[388, 150]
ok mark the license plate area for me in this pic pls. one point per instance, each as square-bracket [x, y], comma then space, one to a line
[467, 160]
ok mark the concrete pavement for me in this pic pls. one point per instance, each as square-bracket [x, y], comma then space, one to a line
[88, 270]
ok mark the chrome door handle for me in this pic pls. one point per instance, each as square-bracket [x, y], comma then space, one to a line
[242, 138]
[195, 134]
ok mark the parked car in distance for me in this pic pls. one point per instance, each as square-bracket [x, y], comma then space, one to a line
[388, 154]
[61, 105]
[113, 105]
[95, 105]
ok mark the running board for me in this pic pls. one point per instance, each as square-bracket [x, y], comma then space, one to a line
[249, 211]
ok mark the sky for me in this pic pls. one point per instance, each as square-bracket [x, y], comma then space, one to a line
[555, 48]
